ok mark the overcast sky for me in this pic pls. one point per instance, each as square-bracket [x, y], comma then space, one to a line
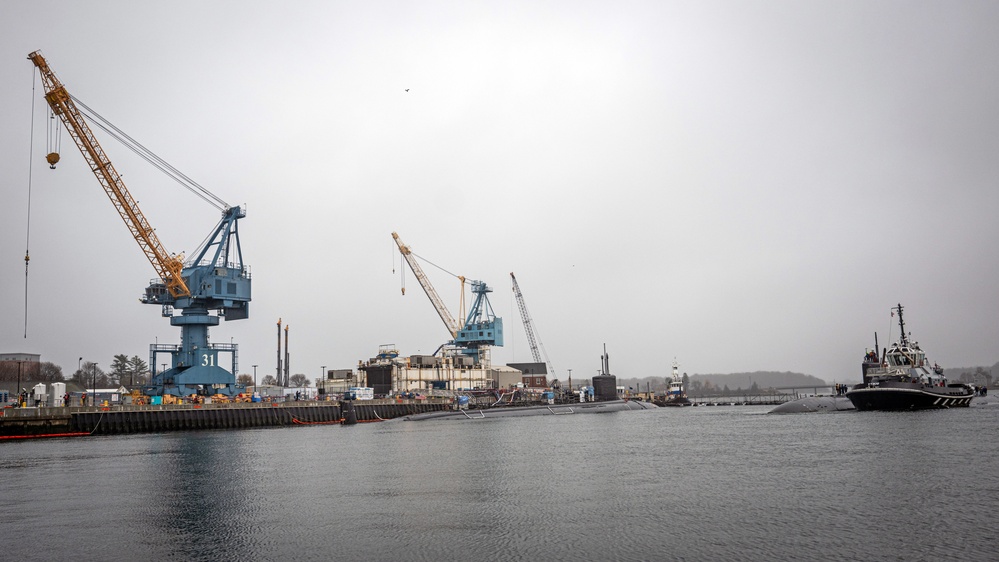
[741, 185]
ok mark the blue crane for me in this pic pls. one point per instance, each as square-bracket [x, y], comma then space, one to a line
[215, 280]
[481, 329]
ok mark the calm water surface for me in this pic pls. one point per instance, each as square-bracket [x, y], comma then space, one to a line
[712, 483]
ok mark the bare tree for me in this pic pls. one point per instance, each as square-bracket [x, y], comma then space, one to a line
[90, 374]
[50, 372]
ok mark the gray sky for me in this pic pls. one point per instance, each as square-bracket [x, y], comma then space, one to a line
[742, 185]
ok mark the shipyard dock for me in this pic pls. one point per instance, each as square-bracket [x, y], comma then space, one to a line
[20, 423]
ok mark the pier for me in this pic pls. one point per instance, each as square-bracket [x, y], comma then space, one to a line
[19, 423]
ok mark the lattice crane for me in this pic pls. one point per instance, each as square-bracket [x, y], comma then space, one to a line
[215, 279]
[532, 340]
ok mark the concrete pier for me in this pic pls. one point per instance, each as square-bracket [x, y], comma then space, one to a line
[18, 423]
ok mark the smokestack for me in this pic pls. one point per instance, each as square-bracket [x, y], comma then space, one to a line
[287, 358]
[279, 353]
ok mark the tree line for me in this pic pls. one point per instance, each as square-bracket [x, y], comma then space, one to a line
[124, 370]
[297, 380]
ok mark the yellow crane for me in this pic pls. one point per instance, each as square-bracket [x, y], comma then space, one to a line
[442, 310]
[168, 266]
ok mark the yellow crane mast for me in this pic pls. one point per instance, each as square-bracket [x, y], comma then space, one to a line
[167, 266]
[442, 310]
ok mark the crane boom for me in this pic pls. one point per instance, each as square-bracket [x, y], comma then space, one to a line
[532, 340]
[167, 266]
[449, 321]
[526, 317]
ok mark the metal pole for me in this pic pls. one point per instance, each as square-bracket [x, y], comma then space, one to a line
[93, 398]
[322, 377]
[80, 375]
[254, 380]
[18, 389]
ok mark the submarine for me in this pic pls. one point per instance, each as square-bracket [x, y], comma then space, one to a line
[543, 410]
[605, 400]
[815, 404]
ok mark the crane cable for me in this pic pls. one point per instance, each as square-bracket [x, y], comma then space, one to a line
[461, 297]
[402, 269]
[27, 233]
[425, 260]
[150, 157]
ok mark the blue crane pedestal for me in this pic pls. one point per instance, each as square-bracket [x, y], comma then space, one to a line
[218, 281]
[195, 366]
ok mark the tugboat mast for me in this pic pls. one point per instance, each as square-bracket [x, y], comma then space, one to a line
[901, 326]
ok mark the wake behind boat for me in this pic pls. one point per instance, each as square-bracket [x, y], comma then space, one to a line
[902, 379]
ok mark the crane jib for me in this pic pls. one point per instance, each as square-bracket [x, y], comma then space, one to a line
[58, 98]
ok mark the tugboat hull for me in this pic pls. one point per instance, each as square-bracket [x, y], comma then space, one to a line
[916, 398]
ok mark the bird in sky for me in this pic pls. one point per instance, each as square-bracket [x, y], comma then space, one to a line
[407, 89]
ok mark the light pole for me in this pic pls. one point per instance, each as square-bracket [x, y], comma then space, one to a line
[322, 377]
[93, 398]
[18, 389]
[254, 380]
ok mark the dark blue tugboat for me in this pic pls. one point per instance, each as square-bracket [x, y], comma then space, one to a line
[902, 379]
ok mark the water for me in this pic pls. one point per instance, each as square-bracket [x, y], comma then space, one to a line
[712, 483]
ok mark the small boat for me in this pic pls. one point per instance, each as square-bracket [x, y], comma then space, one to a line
[902, 379]
[675, 396]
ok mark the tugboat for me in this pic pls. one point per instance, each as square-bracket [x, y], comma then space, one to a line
[675, 396]
[902, 379]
